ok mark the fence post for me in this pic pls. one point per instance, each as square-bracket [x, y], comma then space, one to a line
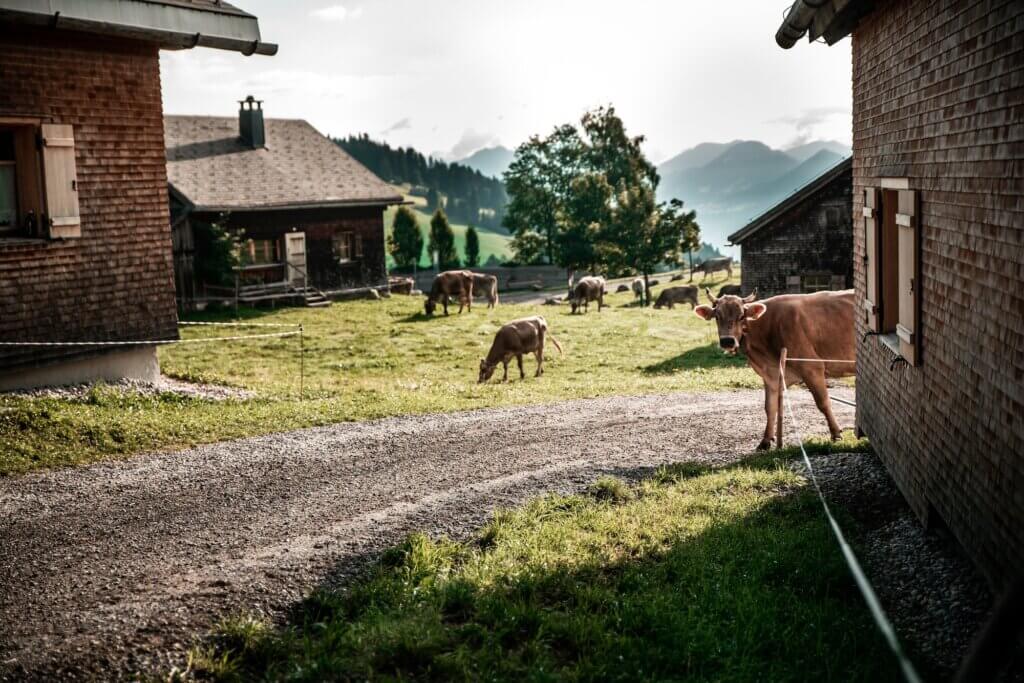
[779, 400]
[302, 364]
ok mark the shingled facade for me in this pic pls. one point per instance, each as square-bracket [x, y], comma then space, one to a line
[84, 235]
[805, 243]
[938, 177]
[307, 218]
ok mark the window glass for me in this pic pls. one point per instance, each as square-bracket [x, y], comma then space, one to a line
[259, 252]
[816, 283]
[8, 187]
[342, 246]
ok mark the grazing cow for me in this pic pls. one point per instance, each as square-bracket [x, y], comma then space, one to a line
[677, 295]
[712, 266]
[677, 276]
[638, 288]
[486, 285]
[734, 290]
[525, 335]
[818, 325]
[451, 283]
[590, 288]
[622, 288]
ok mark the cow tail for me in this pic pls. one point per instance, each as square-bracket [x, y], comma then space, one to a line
[555, 342]
[494, 291]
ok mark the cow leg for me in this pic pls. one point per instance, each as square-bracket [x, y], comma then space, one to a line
[444, 302]
[540, 356]
[519, 359]
[504, 363]
[771, 410]
[815, 381]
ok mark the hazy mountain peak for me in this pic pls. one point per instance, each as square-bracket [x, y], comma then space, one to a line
[491, 161]
[808, 149]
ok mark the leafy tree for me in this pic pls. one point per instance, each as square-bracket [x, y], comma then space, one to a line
[442, 241]
[406, 240]
[472, 247]
[433, 200]
[216, 253]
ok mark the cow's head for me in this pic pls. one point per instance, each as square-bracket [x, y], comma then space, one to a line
[486, 370]
[429, 306]
[731, 313]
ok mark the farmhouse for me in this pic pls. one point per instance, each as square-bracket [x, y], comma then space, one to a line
[938, 179]
[307, 218]
[804, 243]
[84, 237]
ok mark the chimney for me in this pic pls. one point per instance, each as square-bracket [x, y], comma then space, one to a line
[250, 122]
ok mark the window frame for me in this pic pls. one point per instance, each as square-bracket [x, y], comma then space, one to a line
[29, 180]
[343, 247]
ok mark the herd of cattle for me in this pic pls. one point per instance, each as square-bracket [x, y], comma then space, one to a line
[817, 329]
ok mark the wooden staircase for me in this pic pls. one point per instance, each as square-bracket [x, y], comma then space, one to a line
[282, 291]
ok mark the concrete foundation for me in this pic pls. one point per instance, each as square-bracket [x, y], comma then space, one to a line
[139, 363]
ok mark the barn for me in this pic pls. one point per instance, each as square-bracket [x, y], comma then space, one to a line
[805, 242]
[85, 248]
[306, 219]
[938, 201]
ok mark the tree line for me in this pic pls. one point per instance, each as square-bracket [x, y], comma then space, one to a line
[406, 241]
[584, 198]
[466, 195]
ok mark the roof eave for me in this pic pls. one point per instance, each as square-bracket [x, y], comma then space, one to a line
[831, 20]
[172, 26]
[293, 206]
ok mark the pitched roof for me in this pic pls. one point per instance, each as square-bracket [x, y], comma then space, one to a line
[805, 192]
[210, 166]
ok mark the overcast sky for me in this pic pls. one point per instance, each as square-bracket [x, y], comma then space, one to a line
[450, 76]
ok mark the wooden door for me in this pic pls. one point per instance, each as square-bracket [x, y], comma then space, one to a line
[295, 258]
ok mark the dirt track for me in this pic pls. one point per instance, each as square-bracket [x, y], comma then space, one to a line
[113, 568]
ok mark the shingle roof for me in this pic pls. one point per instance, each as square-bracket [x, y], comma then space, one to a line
[210, 166]
[792, 200]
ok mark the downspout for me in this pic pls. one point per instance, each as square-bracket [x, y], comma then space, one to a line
[797, 21]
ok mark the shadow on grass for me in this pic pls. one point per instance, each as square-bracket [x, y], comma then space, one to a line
[732, 575]
[707, 356]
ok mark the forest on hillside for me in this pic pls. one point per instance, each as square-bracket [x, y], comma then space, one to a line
[466, 195]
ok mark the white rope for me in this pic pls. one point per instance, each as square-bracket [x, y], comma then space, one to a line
[152, 342]
[817, 360]
[870, 597]
[182, 323]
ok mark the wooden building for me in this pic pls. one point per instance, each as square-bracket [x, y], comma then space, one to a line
[84, 236]
[307, 218]
[938, 179]
[805, 242]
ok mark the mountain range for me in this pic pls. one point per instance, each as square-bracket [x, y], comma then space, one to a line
[728, 183]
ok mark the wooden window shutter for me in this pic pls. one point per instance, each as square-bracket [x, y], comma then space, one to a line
[872, 273]
[907, 221]
[61, 181]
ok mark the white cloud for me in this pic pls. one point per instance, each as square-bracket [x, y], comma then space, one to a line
[401, 124]
[470, 142]
[336, 13]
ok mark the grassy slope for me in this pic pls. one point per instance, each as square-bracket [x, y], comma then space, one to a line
[492, 241]
[368, 360]
[727, 575]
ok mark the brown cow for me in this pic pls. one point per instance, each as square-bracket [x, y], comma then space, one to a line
[590, 288]
[735, 290]
[818, 325]
[677, 295]
[486, 285]
[525, 335]
[450, 283]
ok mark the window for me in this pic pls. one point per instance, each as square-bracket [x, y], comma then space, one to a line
[341, 244]
[259, 252]
[816, 283]
[359, 246]
[38, 180]
[892, 266]
[9, 215]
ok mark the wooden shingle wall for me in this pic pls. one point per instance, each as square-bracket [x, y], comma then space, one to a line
[115, 282]
[938, 98]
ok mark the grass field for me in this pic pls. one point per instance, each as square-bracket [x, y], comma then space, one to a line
[365, 360]
[724, 575]
[492, 242]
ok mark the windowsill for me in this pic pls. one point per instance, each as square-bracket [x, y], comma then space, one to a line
[17, 241]
[891, 340]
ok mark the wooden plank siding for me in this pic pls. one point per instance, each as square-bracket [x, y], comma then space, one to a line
[938, 99]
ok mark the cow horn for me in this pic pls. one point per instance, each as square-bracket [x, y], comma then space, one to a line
[752, 297]
[711, 297]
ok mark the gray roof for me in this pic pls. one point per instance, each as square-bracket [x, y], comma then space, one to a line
[805, 192]
[210, 167]
[174, 24]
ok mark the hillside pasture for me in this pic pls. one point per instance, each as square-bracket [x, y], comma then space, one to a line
[365, 360]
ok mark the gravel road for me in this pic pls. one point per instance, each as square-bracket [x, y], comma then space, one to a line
[113, 568]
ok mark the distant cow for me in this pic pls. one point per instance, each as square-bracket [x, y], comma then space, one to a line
[456, 283]
[514, 339]
[590, 288]
[818, 325]
[638, 288]
[677, 276]
[733, 290]
[712, 266]
[677, 295]
[486, 285]
[622, 288]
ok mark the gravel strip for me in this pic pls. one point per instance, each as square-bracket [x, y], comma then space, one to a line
[164, 385]
[934, 596]
[113, 568]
